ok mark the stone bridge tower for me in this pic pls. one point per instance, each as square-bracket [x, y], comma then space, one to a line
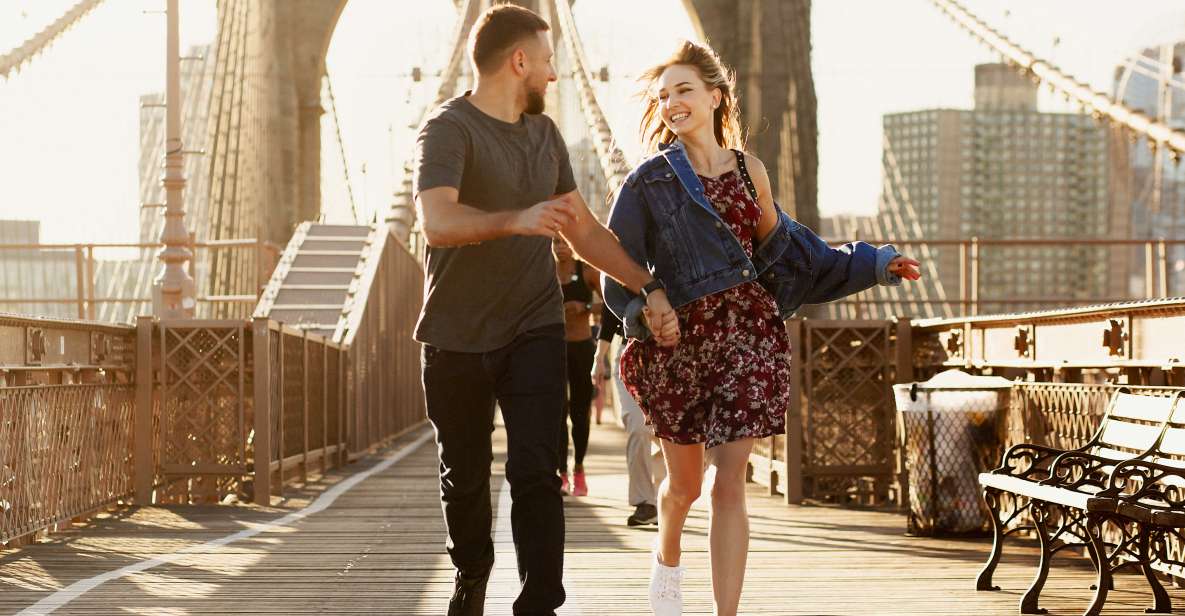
[266, 113]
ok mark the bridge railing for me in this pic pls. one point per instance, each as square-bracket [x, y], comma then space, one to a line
[842, 442]
[992, 276]
[67, 401]
[384, 393]
[98, 281]
[198, 410]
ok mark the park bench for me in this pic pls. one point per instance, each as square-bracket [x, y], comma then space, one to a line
[1144, 501]
[1069, 494]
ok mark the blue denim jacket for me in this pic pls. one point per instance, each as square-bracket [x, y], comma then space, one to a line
[667, 225]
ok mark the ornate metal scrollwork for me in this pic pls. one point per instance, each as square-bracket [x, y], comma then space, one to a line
[1115, 337]
[1024, 342]
[36, 345]
[954, 344]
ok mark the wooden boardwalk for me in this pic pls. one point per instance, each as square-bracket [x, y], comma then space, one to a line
[377, 549]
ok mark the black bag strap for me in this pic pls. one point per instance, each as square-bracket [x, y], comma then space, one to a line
[745, 174]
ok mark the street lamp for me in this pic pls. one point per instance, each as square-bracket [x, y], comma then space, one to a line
[174, 294]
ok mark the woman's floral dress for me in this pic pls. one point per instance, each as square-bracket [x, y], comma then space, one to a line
[729, 376]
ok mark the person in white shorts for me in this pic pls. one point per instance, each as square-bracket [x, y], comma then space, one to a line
[637, 449]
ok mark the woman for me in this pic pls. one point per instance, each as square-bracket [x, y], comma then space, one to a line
[577, 282]
[700, 213]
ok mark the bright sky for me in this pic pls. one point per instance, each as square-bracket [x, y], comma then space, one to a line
[69, 122]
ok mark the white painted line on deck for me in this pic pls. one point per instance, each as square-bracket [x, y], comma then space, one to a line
[60, 598]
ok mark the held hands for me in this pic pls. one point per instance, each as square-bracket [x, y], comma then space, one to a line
[546, 218]
[661, 319]
[906, 268]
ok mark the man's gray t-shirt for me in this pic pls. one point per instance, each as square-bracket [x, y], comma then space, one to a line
[479, 297]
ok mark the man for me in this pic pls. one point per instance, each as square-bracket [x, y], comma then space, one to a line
[494, 186]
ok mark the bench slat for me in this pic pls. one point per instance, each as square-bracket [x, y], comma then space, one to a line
[1173, 442]
[1130, 435]
[1032, 489]
[1113, 454]
[1146, 408]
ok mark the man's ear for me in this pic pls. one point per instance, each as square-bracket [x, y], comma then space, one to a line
[518, 62]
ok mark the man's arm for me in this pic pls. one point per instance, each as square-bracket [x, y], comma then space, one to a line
[597, 246]
[447, 222]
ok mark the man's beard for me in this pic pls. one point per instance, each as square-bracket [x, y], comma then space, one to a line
[535, 102]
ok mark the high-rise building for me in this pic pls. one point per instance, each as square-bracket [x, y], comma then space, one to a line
[1151, 183]
[29, 274]
[1004, 170]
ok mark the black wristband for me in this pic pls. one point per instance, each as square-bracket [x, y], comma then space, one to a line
[651, 287]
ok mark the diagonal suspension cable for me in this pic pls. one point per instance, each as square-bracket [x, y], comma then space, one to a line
[613, 163]
[450, 76]
[341, 145]
[1099, 104]
[39, 42]
[905, 218]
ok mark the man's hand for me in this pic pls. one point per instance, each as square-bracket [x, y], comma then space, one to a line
[546, 218]
[906, 268]
[661, 319]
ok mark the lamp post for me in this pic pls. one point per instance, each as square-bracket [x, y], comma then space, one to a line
[174, 293]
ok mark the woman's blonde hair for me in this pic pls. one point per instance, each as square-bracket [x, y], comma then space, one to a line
[726, 119]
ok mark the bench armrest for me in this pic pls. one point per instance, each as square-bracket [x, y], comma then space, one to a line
[1147, 483]
[1028, 461]
[1076, 468]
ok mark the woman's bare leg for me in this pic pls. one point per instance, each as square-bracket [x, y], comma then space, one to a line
[728, 537]
[685, 475]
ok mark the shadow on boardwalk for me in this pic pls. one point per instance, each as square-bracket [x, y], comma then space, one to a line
[379, 550]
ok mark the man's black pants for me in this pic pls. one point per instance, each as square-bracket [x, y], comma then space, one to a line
[526, 379]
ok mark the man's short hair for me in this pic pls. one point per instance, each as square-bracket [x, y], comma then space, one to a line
[498, 30]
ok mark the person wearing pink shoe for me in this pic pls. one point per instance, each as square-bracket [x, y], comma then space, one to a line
[699, 213]
[579, 283]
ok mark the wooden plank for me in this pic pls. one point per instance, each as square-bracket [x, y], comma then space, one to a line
[379, 549]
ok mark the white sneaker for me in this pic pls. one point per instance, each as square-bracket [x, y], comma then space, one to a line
[666, 590]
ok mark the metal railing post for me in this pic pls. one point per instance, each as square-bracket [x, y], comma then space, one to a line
[260, 336]
[904, 352]
[964, 290]
[794, 440]
[1149, 270]
[144, 467]
[304, 407]
[80, 278]
[1163, 268]
[324, 405]
[974, 275]
[90, 282]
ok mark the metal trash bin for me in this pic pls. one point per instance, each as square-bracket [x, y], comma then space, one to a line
[950, 428]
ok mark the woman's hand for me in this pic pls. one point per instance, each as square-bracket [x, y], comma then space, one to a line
[661, 319]
[600, 369]
[906, 268]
